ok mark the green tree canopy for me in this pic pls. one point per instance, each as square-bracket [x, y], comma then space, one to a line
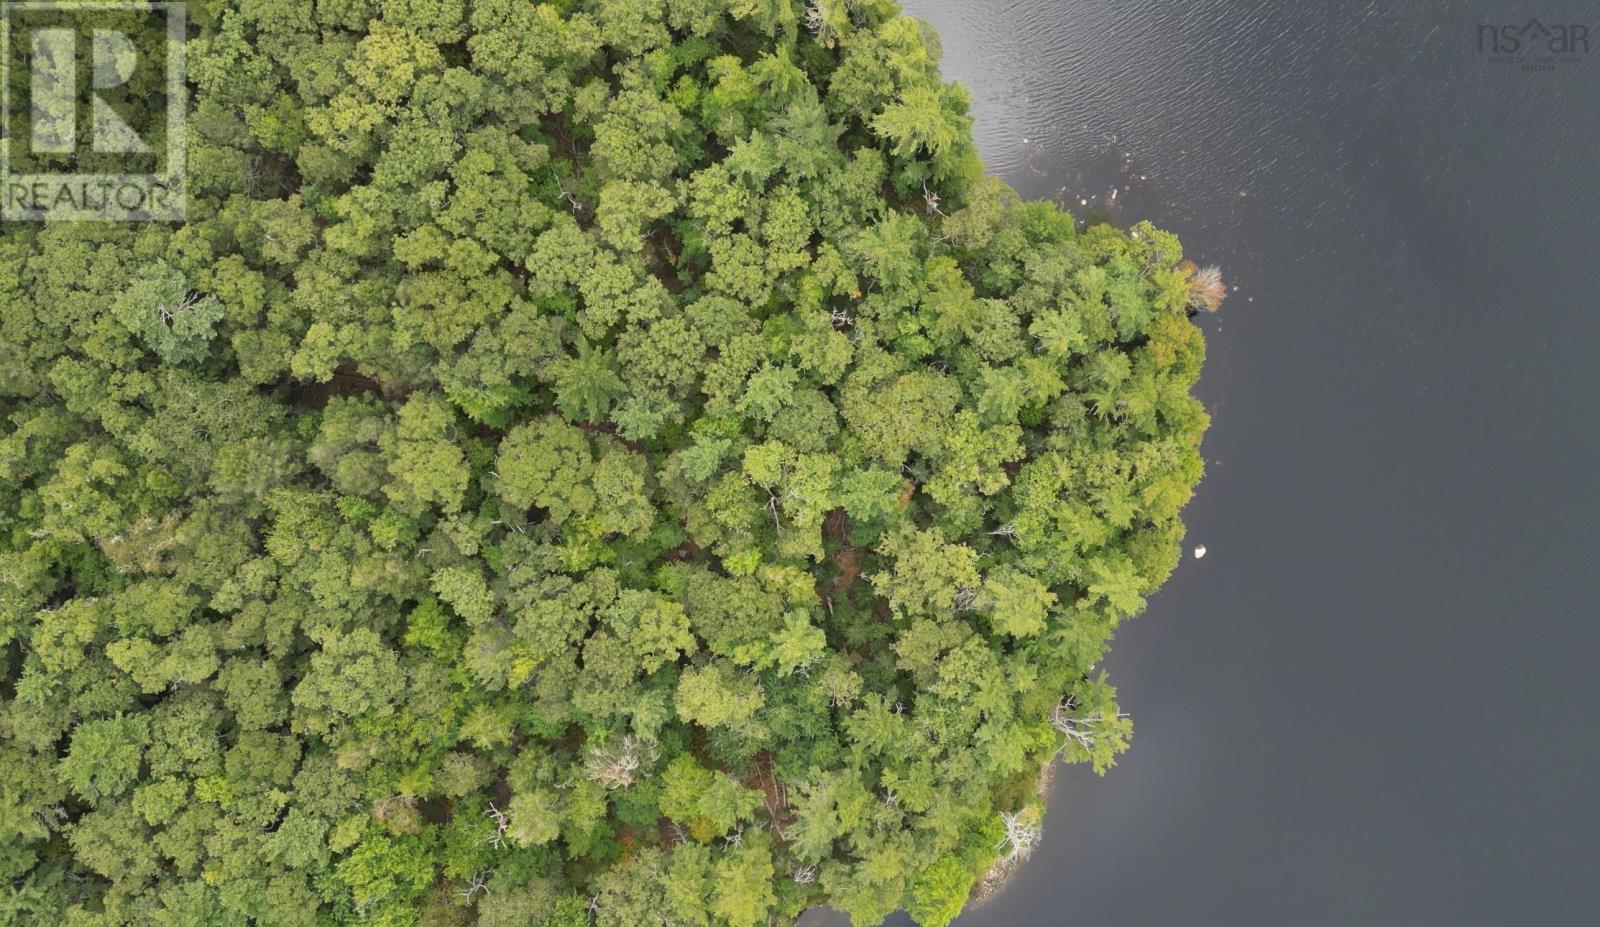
[596, 462]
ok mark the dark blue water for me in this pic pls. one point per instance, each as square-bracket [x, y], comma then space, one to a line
[1375, 701]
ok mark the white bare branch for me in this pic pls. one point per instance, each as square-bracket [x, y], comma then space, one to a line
[502, 820]
[614, 768]
[1080, 730]
[1206, 289]
[1020, 838]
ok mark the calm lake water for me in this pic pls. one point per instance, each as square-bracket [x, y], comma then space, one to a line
[1375, 701]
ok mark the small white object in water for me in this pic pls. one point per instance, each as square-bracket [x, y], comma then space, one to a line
[1199, 551]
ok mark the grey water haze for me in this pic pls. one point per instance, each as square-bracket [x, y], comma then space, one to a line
[1374, 702]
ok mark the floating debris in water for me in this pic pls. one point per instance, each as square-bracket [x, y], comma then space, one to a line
[1199, 551]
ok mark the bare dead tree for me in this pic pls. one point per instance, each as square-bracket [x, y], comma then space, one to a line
[1079, 730]
[775, 796]
[614, 768]
[253, 178]
[1020, 838]
[364, 907]
[384, 807]
[502, 820]
[772, 506]
[803, 670]
[477, 885]
[1206, 289]
[53, 818]
[816, 18]
[817, 23]
[572, 200]
[168, 312]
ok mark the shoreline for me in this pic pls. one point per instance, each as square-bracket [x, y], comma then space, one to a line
[997, 878]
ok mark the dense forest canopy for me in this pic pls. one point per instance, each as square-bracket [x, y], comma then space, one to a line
[613, 462]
